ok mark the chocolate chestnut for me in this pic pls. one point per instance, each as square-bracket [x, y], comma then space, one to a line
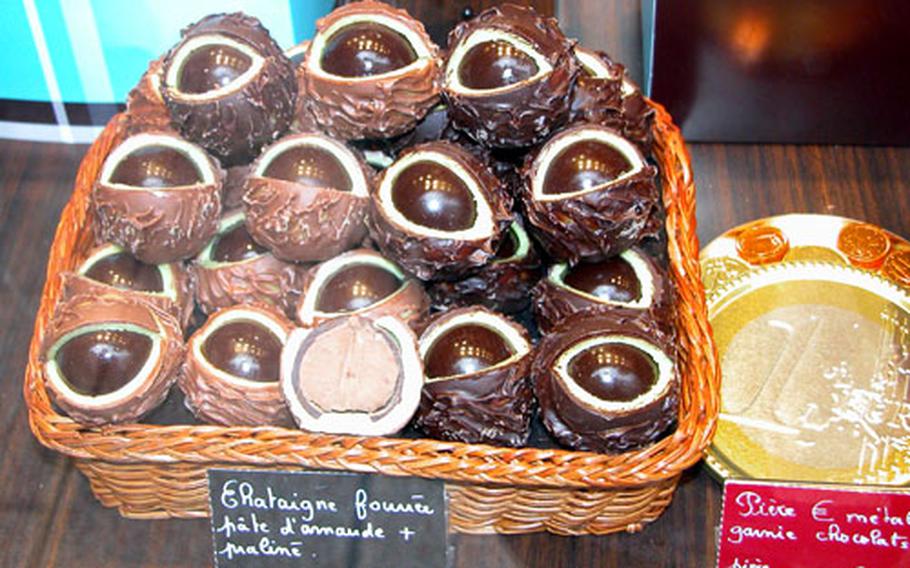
[439, 211]
[606, 383]
[589, 194]
[159, 197]
[306, 198]
[234, 269]
[229, 87]
[110, 358]
[231, 372]
[361, 282]
[110, 270]
[371, 71]
[503, 284]
[354, 375]
[477, 390]
[509, 77]
[631, 284]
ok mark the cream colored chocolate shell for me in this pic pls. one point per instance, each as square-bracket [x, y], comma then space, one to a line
[151, 384]
[377, 106]
[409, 302]
[216, 396]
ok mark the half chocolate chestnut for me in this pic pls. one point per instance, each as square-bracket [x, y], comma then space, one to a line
[503, 284]
[631, 284]
[354, 375]
[234, 269]
[477, 389]
[439, 211]
[111, 270]
[589, 193]
[110, 358]
[361, 282]
[606, 384]
[509, 76]
[159, 197]
[307, 197]
[371, 71]
[229, 86]
[230, 375]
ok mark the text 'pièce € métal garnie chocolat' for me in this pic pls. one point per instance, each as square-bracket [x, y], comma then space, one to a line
[266, 518]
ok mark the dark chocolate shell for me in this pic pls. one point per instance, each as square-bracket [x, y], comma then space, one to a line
[606, 384]
[489, 398]
[229, 87]
[637, 116]
[503, 284]
[630, 284]
[110, 358]
[355, 375]
[234, 187]
[461, 205]
[232, 269]
[353, 96]
[231, 372]
[516, 104]
[145, 108]
[306, 198]
[110, 270]
[159, 197]
[360, 282]
[589, 194]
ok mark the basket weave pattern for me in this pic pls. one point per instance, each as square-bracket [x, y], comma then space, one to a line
[160, 471]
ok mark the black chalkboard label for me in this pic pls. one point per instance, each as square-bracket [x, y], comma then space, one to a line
[320, 519]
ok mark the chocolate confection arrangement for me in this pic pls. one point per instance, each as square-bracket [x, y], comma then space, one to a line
[513, 179]
[230, 375]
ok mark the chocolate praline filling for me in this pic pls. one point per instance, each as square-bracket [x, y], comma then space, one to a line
[613, 279]
[236, 245]
[433, 196]
[309, 166]
[155, 166]
[613, 371]
[355, 287]
[244, 349]
[365, 49]
[495, 64]
[122, 270]
[464, 350]
[101, 361]
[584, 165]
[212, 67]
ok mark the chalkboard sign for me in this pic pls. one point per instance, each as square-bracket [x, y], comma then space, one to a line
[318, 519]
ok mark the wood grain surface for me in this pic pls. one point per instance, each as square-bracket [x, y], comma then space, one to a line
[48, 516]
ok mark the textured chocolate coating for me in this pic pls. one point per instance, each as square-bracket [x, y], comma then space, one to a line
[234, 187]
[244, 349]
[235, 125]
[373, 106]
[243, 401]
[503, 284]
[495, 64]
[555, 302]
[145, 108]
[597, 224]
[258, 278]
[429, 257]
[605, 100]
[491, 405]
[156, 167]
[365, 49]
[115, 279]
[525, 113]
[110, 310]
[159, 224]
[306, 223]
[433, 196]
[580, 427]
[100, 362]
[407, 302]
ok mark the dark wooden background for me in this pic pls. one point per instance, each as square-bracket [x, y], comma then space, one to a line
[48, 516]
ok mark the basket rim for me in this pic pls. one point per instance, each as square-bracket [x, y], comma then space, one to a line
[450, 461]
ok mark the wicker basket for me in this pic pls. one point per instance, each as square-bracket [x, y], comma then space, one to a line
[160, 471]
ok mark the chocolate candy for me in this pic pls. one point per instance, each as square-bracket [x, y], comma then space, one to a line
[230, 375]
[476, 390]
[100, 362]
[434, 196]
[495, 64]
[311, 167]
[121, 270]
[584, 165]
[236, 245]
[212, 67]
[613, 279]
[613, 371]
[366, 49]
[355, 287]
